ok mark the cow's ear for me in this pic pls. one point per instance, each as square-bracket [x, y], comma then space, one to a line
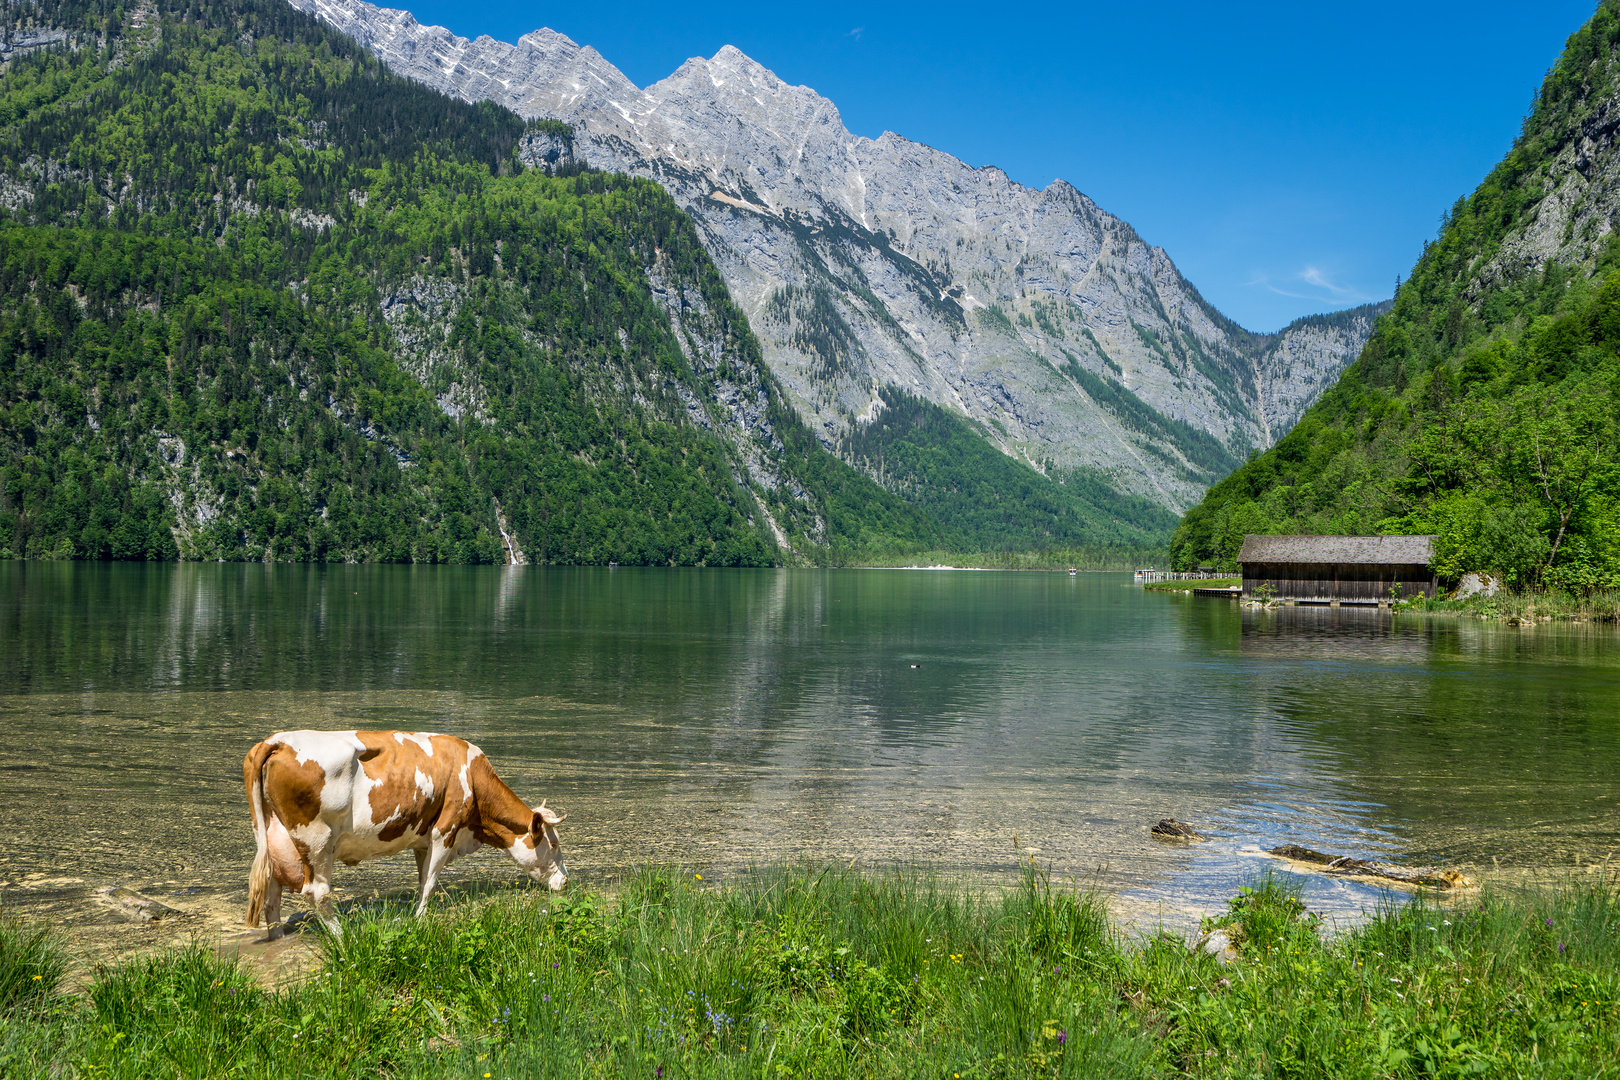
[537, 826]
[552, 817]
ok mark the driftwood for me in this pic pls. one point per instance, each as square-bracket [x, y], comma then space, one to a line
[132, 905]
[1171, 829]
[1344, 866]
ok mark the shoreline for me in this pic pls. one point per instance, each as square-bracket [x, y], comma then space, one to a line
[101, 931]
[1516, 609]
[830, 971]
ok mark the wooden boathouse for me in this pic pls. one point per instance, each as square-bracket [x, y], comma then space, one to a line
[1338, 569]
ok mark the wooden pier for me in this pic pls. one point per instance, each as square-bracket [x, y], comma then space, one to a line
[1150, 574]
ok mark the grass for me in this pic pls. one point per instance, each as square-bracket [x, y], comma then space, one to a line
[1599, 605]
[1188, 586]
[822, 973]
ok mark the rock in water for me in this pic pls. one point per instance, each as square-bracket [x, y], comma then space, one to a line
[1171, 829]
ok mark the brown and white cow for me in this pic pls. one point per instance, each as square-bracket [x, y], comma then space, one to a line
[320, 796]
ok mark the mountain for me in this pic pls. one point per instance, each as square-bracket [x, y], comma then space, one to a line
[261, 299]
[1485, 408]
[875, 267]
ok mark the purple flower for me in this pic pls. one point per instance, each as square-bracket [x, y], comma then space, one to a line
[545, 997]
[1549, 921]
[658, 1071]
[1063, 1036]
[1560, 946]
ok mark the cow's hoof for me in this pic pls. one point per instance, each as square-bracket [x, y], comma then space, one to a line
[276, 933]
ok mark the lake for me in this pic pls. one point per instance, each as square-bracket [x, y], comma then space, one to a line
[720, 718]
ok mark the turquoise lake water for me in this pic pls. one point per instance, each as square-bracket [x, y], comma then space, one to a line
[718, 718]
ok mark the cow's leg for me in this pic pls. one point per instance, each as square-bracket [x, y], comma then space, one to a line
[421, 854]
[288, 870]
[319, 890]
[429, 864]
[272, 910]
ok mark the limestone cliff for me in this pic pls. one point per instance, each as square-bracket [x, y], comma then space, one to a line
[1050, 324]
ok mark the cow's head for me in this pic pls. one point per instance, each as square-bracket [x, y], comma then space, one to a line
[540, 852]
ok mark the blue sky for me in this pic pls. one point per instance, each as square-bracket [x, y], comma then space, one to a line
[1291, 158]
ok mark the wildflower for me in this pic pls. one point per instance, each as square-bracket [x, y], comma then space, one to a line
[38, 977]
[1062, 1036]
[698, 876]
[1549, 922]
[1560, 946]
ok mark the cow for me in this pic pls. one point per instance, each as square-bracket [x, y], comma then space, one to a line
[320, 796]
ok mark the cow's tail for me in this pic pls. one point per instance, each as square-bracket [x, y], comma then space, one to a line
[259, 876]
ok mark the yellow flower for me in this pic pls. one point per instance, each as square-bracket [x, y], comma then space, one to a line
[38, 977]
[698, 876]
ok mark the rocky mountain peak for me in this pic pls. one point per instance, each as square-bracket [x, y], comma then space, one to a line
[1041, 319]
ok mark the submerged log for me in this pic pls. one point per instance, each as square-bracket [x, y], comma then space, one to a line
[1171, 829]
[1344, 866]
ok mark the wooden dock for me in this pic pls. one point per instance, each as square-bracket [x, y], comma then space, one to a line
[1232, 593]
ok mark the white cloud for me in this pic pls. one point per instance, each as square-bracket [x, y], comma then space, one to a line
[1312, 276]
[1326, 291]
[856, 33]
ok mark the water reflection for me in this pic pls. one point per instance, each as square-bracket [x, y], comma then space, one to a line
[726, 717]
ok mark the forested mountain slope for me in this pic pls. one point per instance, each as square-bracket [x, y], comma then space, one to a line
[1484, 408]
[1034, 319]
[261, 299]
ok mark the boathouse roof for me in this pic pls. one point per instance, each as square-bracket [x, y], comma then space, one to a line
[1378, 550]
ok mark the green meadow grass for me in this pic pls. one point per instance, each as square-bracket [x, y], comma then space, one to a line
[1596, 605]
[1192, 583]
[793, 972]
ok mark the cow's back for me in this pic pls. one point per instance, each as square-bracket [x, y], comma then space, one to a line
[368, 793]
